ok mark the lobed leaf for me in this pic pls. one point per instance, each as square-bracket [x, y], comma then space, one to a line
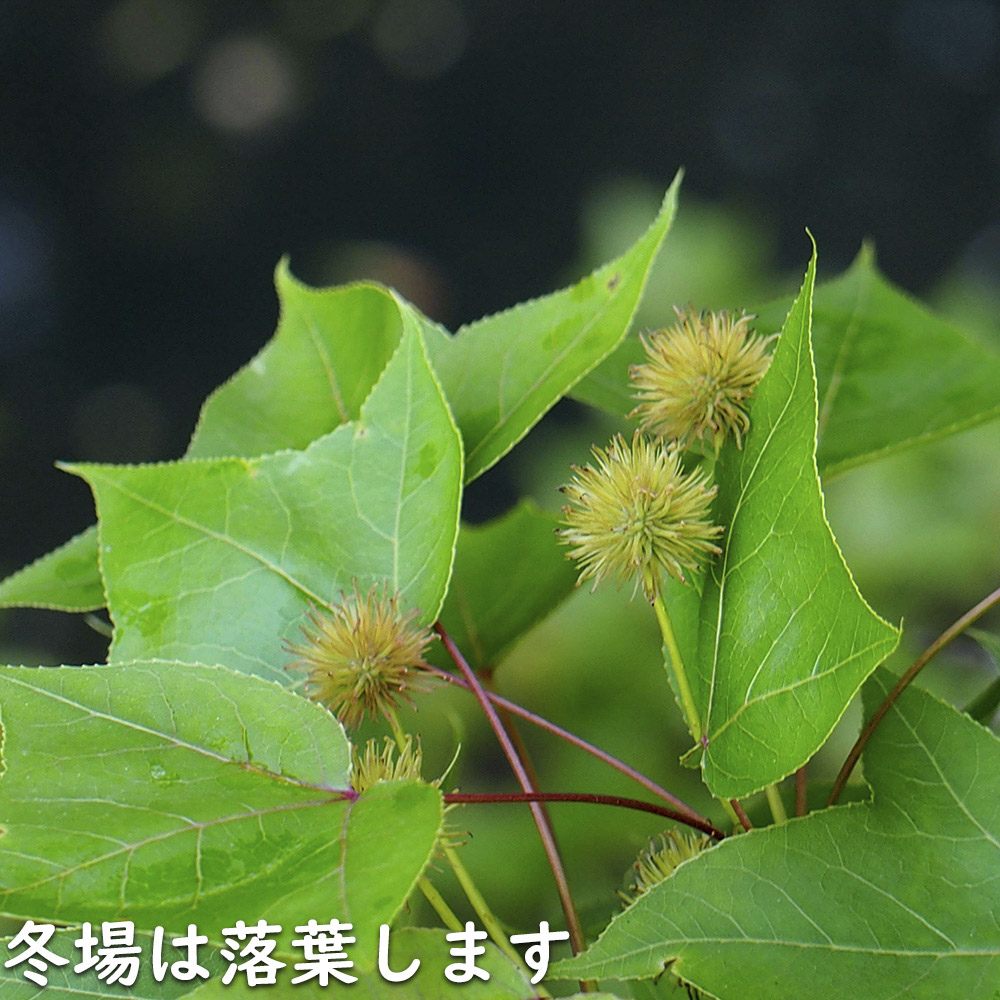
[893, 898]
[785, 639]
[216, 560]
[166, 793]
[502, 373]
[329, 349]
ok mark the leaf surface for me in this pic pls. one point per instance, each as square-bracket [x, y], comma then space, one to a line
[329, 349]
[66, 579]
[215, 561]
[785, 639]
[891, 374]
[65, 984]
[167, 793]
[502, 373]
[506, 982]
[882, 900]
[509, 574]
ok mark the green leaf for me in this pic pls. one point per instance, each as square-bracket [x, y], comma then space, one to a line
[328, 351]
[785, 638]
[502, 373]
[888, 899]
[891, 374]
[66, 579]
[983, 707]
[509, 574]
[165, 793]
[65, 984]
[506, 982]
[215, 561]
[330, 347]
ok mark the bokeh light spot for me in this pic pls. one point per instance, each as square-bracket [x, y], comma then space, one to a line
[245, 85]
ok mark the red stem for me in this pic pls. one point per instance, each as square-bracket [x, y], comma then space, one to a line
[517, 766]
[801, 792]
[953, 630]
[604, 800]
[741, 815]
[687, 814]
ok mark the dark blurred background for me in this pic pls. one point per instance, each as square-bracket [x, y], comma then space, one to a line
[158, 156]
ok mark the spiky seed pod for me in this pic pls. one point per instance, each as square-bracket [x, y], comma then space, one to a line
[658, 863]
[363, 656]
[698, 377]
[384, 760]
[374, 763]
[635, 514]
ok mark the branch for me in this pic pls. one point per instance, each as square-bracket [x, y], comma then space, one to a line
[953, 630]
[603, 800]
[517, 766]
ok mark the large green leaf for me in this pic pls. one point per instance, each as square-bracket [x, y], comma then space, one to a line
[509, 574]
[785, 638]
[888, 899]
[502, 373]
[891, 374]
[66, 579]
[215, 561]
[506, 981]
[330, 347]
[165, 793]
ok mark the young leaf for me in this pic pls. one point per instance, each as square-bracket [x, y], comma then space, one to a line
[509, 574]
[785, 638]
[167, 793]
[888, 899]
[66, 579]
[501, 374]
[215, 561]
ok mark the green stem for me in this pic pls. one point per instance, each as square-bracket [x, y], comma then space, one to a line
[677, 664]
[441, 908]
[777, 806]
[397, 730]
[485, 914]
[469, 887]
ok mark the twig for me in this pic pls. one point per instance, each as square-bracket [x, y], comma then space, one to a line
[544, 829]
[687, 813]
[595, 799]
[953, 630]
